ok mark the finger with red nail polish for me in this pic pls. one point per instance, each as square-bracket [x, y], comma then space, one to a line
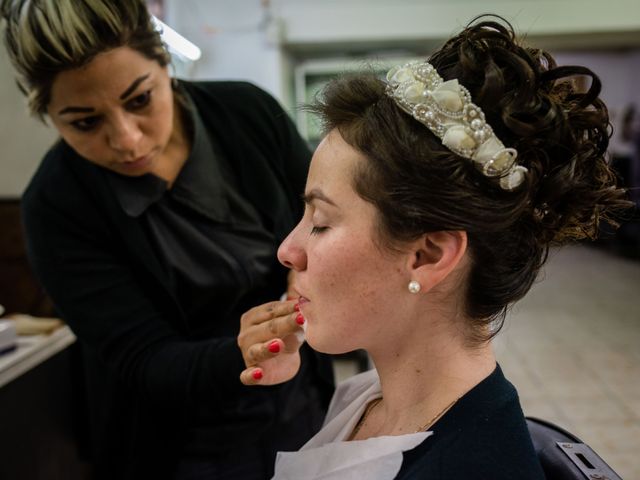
[274, 347]
[300, 319]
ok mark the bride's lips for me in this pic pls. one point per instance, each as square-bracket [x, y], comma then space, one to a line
[302, 301]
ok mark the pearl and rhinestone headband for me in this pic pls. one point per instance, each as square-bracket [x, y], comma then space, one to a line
[446, 109]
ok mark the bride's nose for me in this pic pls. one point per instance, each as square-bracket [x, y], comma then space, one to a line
[291, 252]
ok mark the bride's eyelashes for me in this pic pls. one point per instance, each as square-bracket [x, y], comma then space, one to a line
[318, 230]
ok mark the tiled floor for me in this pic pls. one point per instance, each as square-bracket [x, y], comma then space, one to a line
[572, 348]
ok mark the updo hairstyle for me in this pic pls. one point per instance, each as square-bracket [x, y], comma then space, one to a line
[418, 185]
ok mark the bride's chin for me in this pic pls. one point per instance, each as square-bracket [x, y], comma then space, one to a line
[324, 346]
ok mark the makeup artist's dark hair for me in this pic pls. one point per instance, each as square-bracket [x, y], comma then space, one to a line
[44, 38]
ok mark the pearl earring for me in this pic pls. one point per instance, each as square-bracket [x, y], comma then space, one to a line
[414, 286]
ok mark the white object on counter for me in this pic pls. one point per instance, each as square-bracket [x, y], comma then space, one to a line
[32, 351]
[8, 336]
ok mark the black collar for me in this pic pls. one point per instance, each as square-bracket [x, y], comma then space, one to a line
[199, 184]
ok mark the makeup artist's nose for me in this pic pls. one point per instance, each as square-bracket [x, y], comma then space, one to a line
[124, 134]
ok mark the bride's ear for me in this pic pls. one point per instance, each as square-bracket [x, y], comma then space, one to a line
[435, 255]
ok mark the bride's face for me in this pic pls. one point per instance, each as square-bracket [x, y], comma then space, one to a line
[351, 290]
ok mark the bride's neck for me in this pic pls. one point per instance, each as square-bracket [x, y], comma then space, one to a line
[424, 374]
[444, 374]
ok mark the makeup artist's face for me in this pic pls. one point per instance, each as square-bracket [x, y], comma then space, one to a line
[351, 291]
[117, 111]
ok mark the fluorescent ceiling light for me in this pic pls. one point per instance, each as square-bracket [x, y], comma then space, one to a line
[177, 42]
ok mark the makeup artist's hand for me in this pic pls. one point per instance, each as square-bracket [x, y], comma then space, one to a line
[270, 337]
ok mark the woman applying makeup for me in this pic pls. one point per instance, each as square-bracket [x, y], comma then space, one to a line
[153, 224]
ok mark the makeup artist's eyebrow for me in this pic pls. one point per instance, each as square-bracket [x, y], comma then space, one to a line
[133, 86]
[124, 95]
[316, 194]
[76, 110]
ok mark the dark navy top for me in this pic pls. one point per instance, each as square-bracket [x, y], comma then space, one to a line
[483, 436]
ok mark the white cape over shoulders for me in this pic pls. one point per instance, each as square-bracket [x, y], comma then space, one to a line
[328, 456]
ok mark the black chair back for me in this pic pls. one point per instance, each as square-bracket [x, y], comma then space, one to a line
[564, 456]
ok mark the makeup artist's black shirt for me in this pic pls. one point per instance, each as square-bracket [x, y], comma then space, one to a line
[153, 282]
[212, 243]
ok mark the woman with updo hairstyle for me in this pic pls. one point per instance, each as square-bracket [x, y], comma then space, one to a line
[153, 224]
[431, 205]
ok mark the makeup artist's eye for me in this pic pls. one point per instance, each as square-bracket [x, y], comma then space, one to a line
[139, 101]
[318, 230]
[86, 124]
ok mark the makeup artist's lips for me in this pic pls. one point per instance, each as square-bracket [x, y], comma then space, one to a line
[137, 164]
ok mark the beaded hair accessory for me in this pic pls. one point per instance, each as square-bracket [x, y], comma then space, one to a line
[446, 109]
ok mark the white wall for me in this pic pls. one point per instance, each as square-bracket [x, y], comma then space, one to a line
[244, 39]
[312, 21]
[23, 140]
[236, 38]
[241, 39]
[247, 39]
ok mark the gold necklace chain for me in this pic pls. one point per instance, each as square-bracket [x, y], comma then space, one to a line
[367, 411]
[437, 417]
[374, 403]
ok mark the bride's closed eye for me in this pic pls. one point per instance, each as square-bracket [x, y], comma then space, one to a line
[318, 230]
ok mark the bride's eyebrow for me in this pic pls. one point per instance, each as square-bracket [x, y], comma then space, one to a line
[316, 194]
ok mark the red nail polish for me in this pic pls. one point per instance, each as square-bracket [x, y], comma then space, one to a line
[296, 307]
[257, 374]
[274, 347]
[300, 319]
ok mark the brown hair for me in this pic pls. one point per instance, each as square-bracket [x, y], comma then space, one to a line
[45, 37]
[418, 185]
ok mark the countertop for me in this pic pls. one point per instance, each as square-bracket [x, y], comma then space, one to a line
[33, 350]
